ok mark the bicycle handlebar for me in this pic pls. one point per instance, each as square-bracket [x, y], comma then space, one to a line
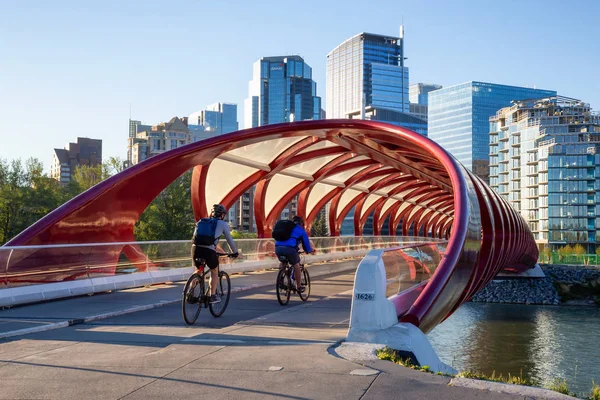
[224, 254]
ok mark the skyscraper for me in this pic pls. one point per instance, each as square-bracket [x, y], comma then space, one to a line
[458, 118]
[281, 90]
[367, 79]
[218, 118]
[545, 160]
[367, 70]
[418, 92]
[134, 127]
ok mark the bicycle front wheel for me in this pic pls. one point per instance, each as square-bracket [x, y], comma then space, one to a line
[223, 290]
[306, 283]
[191, 304]
[283, 287]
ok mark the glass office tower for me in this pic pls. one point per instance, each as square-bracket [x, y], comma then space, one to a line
[367, 70]
[545, 160]
[417, 92]
[218, 118]
[367, 79]
[458, 118]
[281, 90]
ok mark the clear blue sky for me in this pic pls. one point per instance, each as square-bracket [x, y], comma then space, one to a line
[72, 68]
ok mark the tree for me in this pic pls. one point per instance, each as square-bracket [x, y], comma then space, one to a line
[319, 227]
[579, 250]
[547, 254]
[565, 250]
[26, 195]
[170, 215]
[86, 176]
[114, 165]
[243, 235]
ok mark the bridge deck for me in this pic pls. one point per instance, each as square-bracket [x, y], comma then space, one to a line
[258, 349]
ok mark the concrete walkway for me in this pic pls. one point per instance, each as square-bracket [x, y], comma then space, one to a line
[61, 313]
[257, 349]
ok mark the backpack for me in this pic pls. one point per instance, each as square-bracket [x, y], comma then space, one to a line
[282, 230]
[204, 234]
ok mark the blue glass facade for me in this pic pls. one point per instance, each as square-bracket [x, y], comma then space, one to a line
[459, 118]
[217, 119]
[418, 92]
[282, 90]
[366, 78]
[369, 69]
[398, 118]
[220, 118]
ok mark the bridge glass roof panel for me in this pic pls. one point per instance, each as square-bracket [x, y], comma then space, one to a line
[265, 151]
[224, 176]
[318, 191]
[278, 187]
[346, 198]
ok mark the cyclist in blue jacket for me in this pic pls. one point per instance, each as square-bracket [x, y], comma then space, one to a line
[289, 248]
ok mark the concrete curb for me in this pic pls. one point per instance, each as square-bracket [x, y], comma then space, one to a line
[97, 317]
[360, 352]
[529, 392]
[36, 329]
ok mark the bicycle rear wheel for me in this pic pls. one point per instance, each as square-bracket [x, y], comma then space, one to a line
[191, 304]
[283, 287]
[306, 283]
[223, 290]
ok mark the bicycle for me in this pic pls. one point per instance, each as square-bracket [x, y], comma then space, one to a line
[196, 293]
[286, 282]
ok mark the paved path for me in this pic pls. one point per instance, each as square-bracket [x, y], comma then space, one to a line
[257, 349]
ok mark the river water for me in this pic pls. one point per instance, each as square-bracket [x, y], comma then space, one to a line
[542, 342]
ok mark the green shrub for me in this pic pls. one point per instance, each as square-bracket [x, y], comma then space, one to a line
[393, 356]
[595, 393]
[559, 385]
[510, 379]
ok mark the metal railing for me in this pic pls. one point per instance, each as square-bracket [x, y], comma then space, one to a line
[33, 265]
[570, 259]
[392, 279]
[409, 266]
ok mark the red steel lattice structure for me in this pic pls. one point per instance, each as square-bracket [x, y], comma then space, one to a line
[376, 168]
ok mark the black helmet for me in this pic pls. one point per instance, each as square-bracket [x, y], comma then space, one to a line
[218, 210]
[298, 220]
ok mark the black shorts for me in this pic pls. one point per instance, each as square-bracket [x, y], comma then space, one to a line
[290, 252]
[209, 256]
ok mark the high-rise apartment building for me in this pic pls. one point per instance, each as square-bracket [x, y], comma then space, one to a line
[281, 90]
[241, 213]
[545, 160]
[158, 139]
[84, 152]
[417, 92]
[133, 125]
[218, 118]
[458, 118]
